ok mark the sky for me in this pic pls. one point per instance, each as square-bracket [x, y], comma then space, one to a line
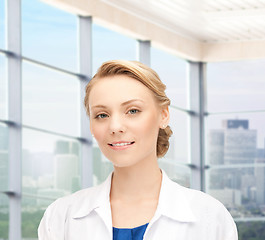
[51, 100]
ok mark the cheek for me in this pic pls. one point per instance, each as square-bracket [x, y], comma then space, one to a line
[149, 126]
[98, 131]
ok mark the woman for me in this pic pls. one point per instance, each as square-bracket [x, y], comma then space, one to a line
[128, 112]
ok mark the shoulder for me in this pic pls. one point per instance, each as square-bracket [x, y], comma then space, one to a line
[202, 203]
[209, 212]
[52, 225]
[62, 206]
[204, 209]
[73, 198]
[83, 201]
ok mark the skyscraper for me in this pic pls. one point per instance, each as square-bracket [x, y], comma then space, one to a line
[66, 166]
[260, 176]
[234, 144]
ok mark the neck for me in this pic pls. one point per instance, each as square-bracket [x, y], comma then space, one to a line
[140, 181]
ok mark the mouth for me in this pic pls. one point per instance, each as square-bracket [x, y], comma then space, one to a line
[120, 144]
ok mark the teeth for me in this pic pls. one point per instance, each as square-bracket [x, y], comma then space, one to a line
[120, 144]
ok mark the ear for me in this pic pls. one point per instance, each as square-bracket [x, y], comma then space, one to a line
[165, 116]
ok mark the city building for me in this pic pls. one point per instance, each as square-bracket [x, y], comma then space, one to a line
[66, 166]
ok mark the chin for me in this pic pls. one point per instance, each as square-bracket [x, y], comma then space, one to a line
[122, 163]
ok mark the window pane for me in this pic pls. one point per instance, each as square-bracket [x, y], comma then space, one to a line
[3, 87]
[251, 230]
[51, 165]
[236, 86]
[178, 149]
[32, 212]
[110, 45]
[50, 100]
[236, 155]
[172, 71]
[180, 174]
[102, 167]
[2, 24]
[3, 157]
[49, 34]
[233, 139]
[240, 189]
[4, 216]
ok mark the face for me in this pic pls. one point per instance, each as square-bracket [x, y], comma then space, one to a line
[125, 119]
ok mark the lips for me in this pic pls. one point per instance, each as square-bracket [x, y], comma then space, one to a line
[120, 144]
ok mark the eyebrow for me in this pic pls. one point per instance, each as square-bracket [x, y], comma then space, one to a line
[123, 104]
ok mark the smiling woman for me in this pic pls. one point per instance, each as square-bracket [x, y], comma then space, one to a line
[128, 111]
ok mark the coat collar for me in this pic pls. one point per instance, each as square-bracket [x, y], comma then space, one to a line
[173, 202]
[92, 199]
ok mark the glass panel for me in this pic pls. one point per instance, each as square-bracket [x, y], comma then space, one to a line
[4, 216]
[178, 149]
[3, 157]
[235, 139]
[50, 100]
[2, 24]
[251, 230]
[172, 71]
[3, 87]
[32, 212]
[49, 34]
[241, 189]
[180, 174]
[236, 86]
[102, 167]
[110, 45]
[50, 165]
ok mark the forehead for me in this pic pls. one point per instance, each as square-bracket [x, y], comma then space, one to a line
[118, 89]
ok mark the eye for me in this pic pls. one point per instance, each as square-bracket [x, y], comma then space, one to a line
[101, 115]
[133, 111]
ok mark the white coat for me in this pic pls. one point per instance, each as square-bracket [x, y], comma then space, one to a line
[181, 214]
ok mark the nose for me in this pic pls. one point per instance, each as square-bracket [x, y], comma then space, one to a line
[116, 125]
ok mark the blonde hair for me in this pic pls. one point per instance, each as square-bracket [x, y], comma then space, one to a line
[146, 76]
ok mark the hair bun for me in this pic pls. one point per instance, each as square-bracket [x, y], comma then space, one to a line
[163, 141]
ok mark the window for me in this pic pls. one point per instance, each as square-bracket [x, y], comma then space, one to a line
[3, 89]
[3, 157]
[53, 144]
[235, 153]
[2, 25]
[32, 212]
[4, 216]
[110, 45]
[51, 165]
[51, 100]
[235, 141]
[177, 156]
[41, 39]
[172, 72]
[236, 86]
[50, 169]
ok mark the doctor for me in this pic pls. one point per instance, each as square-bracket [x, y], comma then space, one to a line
[128, 111]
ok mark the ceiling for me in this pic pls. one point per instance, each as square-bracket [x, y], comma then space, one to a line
[202, 20]
[197, 30]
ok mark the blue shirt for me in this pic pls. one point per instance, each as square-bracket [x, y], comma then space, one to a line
[136, 233]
